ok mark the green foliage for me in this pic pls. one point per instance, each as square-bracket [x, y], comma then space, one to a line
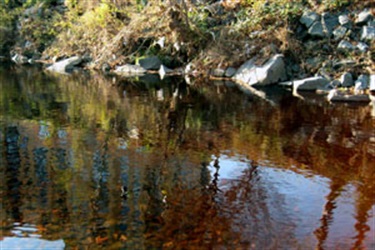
[257, 14]
[198, 17]
[87, 26]
[7, 17]
[335, 4]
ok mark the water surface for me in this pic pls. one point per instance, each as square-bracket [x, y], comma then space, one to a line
[95, 162]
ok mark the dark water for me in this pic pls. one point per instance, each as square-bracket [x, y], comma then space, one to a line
[203, 166]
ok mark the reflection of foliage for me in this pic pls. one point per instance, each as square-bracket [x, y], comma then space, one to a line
[169, 131]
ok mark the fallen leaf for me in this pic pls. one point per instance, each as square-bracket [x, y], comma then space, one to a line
[100, 240]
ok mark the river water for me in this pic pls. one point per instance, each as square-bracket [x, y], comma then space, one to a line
[95, 162]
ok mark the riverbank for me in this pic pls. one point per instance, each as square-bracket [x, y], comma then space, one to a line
[311, 46]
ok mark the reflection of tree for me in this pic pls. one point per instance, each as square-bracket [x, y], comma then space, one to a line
[254, 209]
[321, 233]
[12, 170]
[172, 196]
[365, 201]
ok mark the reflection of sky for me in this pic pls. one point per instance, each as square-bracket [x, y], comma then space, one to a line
[230, 168]
[26, 237]
[303, 199]
[14, 243]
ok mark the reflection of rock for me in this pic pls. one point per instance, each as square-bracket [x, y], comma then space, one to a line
[43, 131]
[337, 96]
[19, 59]
[163, 70]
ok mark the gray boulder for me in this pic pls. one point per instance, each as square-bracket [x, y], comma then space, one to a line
[339, 32]
[345, 45]
[271, 72]
[65, 65]
[368, 33]
[130, 69]
[345, 21]
[150, 63]
[363, 17]
[363, 47]
[308, 18]
[329, 23]
[316, 30]
[310, 84]
[347, 80]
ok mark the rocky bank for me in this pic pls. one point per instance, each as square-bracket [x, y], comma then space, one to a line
[336, 50]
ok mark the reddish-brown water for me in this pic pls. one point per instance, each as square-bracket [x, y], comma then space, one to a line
[104, 163]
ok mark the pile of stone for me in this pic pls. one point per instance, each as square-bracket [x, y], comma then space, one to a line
[350, 33]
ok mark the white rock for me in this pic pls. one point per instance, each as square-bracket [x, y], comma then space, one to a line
[345, 45]
[272, 71]
[344, 20]
[163, 71]
[363, 47]
[364, 17]
[310, 84]
[65, 65]
[368, 33]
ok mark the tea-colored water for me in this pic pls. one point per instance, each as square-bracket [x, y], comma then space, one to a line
[94, 162]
